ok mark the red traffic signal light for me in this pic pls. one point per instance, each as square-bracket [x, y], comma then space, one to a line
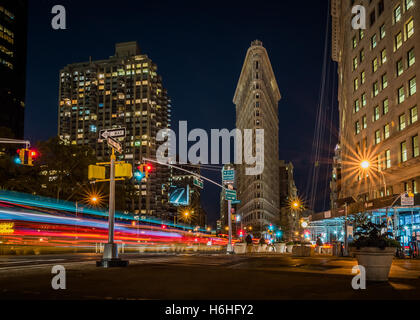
[33, 153]
[148, 168]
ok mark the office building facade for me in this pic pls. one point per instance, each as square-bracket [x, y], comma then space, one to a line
[13, 36]
[378, 99]
[256, 99]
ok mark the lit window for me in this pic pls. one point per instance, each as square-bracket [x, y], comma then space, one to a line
[361, 34]
[411, 57]
[388, 158]
[355, 63]
[382, 31]
[356, 84]
[363, 77]
[409, 4]
[398, 41]
[412, 86]
[409, 28]
[401, 120]
[364, 122]
[386, 131]
[356, 106]
[375, 89]
[403, 149]
[364, 102]
[373, 41]
[376, 113]
[354, 42]
[413, 115]
[383, 56]
[400, 67]
[397, 14]
[401, 95]
[375, 64]
[377, 136]
[384, 81]
[415, 145]
[385, 106]
[357, 127]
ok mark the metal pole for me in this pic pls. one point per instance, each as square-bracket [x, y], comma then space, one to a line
[345, 232]
[112, 200]
[111, 248]
[229, 247]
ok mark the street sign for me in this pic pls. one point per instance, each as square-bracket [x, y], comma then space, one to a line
[114, 144]
[198, 182]
[228, 176]
[230, 195]
[407, 199]
[236, 201]
[113, 133]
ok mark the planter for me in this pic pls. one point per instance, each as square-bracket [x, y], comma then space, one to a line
[280, 247]
[289, 248]
[303, 251]
[376, 261]
[262, 248]
[249, 248]
[239, 248]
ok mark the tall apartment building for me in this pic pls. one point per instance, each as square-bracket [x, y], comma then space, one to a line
[122, 91]
[256, 99]
[13, 34]
[378, 100]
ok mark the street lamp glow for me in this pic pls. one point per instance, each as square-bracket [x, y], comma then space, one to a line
[365, 164]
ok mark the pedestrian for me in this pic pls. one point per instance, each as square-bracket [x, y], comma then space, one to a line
[248, 239]
[262, 241]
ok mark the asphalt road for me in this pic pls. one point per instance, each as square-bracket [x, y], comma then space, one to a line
[201, 277]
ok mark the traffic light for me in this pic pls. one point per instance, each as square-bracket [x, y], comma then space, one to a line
[26, 157]
[142, 172]
[138, 174]
[148, 168]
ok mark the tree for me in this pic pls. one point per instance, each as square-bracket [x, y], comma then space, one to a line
[60, 171]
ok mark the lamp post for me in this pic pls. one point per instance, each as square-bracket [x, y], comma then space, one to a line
[295, 207]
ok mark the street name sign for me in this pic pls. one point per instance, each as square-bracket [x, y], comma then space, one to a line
[114, 144]
[228, 176]
[230, 195]
[198, 182]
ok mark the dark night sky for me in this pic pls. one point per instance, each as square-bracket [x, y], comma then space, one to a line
[199, 48]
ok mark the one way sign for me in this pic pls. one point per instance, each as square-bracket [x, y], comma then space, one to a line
[113, 133]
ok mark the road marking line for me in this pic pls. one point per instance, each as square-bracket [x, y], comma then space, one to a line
[400, 286]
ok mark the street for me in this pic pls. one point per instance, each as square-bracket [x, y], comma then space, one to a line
[201, 277]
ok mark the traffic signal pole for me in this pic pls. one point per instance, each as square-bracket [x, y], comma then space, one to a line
[112, 203]
[110, 256]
